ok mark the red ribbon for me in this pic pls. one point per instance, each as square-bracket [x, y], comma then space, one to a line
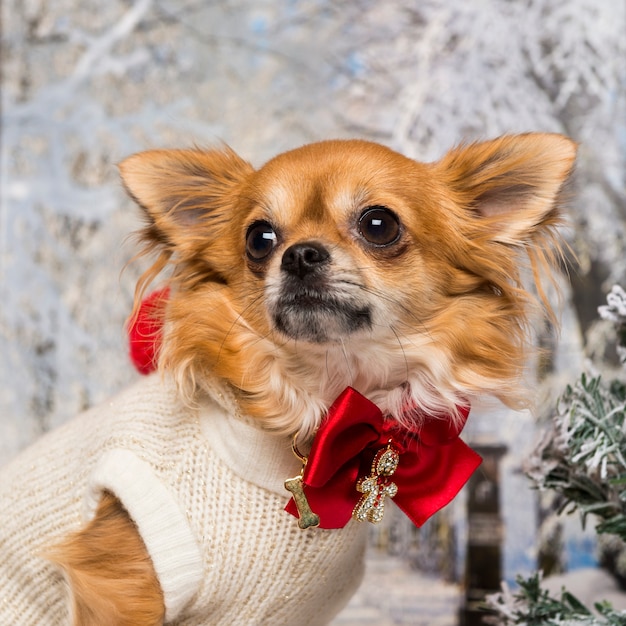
[434, 462]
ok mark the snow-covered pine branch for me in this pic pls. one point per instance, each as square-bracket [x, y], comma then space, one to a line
[582, 458]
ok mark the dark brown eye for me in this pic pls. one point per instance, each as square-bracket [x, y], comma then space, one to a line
[260, 241]
[379, 226]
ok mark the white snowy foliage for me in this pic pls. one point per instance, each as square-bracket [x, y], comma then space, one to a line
[615, 308]
[511, 605]
[581, 459]
[531, 604]
[615, 311]
[586, 438]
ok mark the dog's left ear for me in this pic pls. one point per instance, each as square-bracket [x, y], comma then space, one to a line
[514, 183]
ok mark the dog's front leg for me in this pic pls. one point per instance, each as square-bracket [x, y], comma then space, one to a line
[110, 572]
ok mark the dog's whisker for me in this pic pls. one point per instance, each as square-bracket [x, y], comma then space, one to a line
[406, 361]
[347, 360]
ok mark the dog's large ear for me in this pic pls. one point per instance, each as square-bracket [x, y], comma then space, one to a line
[184, 193]
[514, 183]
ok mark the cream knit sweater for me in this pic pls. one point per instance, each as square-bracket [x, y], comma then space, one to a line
[205, 488]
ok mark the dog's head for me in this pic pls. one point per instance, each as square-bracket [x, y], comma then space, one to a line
[345, 263]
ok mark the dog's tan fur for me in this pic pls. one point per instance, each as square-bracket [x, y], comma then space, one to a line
[109, 571]
[449, 312]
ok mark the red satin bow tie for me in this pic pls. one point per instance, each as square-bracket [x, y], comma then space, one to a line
[433, 462]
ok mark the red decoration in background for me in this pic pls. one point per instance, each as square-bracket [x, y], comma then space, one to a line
[145, 331]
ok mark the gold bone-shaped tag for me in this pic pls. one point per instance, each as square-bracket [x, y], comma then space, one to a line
[308, 519]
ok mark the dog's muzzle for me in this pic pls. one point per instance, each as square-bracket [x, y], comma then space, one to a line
[312, 306]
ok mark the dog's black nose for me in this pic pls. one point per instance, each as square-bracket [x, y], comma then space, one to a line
[303, 258]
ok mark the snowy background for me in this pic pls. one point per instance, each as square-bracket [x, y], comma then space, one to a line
[86, 83]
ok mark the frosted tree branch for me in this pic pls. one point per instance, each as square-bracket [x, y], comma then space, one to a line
[98, 50]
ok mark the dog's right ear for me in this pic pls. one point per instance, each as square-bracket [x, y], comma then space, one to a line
[184, 193]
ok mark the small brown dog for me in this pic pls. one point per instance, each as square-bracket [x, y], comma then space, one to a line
[339, 264]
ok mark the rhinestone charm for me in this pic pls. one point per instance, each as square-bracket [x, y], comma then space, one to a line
[377, 486]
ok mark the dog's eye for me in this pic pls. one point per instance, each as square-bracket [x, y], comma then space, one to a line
[379, 226]
[260, 240]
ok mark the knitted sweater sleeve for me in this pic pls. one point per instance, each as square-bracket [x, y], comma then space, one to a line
[162, 525]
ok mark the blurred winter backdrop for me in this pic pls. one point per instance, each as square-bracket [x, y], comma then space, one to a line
[86, 83]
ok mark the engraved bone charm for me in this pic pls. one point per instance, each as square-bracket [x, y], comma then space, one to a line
[377, 486]
[308, 519]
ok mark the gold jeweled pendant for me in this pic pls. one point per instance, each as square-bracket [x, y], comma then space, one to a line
[376, 486]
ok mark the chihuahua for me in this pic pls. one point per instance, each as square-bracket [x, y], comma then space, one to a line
[338, 265]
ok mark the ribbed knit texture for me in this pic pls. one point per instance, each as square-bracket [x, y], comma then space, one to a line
[205, 489]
